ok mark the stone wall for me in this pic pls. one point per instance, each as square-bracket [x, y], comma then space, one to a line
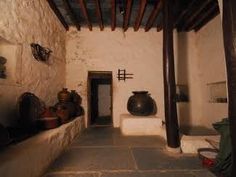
[139, 53]
[22, 23]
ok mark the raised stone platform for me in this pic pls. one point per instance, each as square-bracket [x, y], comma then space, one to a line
[140, 126]
[32, 157]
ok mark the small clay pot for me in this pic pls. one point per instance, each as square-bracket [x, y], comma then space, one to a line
[63, 96]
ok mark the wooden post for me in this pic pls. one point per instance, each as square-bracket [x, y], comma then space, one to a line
[172, 127]
[229, 30]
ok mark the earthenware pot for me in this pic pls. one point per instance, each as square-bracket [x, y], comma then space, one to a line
[140, 104]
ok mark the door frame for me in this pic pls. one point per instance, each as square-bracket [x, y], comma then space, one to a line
[98, 75]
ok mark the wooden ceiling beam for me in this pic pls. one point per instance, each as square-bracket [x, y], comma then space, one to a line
[113, 15]
[58, 13]
[72, 14]
[85, 13]
[156, 10]
[99, 14]
[192, 14]
[207, 17]
[184, 12]
[127, 14]
[142, 6]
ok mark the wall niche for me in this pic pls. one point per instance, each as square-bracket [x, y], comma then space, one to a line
[10, 62]
[217, 92]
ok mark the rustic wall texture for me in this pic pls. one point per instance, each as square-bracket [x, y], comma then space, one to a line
[200, 61]
[21, 23]
[139, 53]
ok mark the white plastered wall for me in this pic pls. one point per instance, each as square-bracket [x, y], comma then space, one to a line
[140, 53]
[22, 23]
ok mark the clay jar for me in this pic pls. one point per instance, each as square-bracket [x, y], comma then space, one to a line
[140, 104]
[63, 96]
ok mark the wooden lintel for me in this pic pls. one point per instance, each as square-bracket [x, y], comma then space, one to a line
[195, 12]
[156, 10]
[72, 14]
[127, 14]
[171, 119]
[113, 15]
[142, 6]
[205, 18]
[58, 13]
[85, 13]
[99, 14]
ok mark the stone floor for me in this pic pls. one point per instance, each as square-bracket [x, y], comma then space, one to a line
[104, 152]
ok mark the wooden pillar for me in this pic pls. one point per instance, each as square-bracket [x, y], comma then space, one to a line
[171, 120]
[229, 30]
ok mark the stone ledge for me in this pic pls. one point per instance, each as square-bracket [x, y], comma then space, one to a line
[32, 157]
[140, 126]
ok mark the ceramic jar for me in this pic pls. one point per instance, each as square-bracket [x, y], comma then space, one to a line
[140, 104]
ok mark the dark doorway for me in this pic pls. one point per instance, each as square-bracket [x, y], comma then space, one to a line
[99, 98]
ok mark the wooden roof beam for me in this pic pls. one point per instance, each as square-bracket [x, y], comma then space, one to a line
[58, 14]
[99, 14]
[195, 12]
[184, 12]
[142, 6]
[156, 10]
[127, 14]
[113, 15]
[205, 18]
[85, 13]
[72, 14]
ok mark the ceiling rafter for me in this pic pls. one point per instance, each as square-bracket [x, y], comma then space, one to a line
[99, 14]
[71, 13]
[127, 14]
[113, 15]
[195, 12]
[85, 13]
[142, 6]
[184, 11]
[58, 13]
[205, 18]
[156, 10]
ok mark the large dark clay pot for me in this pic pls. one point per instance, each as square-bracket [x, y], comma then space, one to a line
[140, 104]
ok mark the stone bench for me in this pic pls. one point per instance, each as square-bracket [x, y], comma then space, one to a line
[30, 158]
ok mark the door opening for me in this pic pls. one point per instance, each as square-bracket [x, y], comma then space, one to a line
[100, 98]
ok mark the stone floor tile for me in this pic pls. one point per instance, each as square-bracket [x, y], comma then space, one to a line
[93, 141]
[148, 174]
[72, 175]
[139, 141]
[153, 158]
[203, 173]
[83, 159]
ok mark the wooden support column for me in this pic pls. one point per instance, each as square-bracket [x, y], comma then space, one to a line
[58, 13]
[229, 30]
[172, 127]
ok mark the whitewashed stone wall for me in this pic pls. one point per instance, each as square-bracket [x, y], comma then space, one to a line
[21, 23]
[139, 53]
